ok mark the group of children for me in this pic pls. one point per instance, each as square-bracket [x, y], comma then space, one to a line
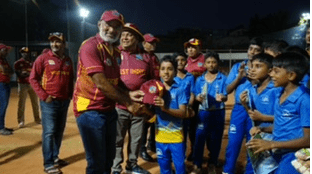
[271, 100]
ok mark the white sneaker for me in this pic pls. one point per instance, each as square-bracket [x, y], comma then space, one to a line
[21, 125]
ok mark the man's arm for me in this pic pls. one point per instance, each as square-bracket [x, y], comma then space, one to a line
[35, 79]
[114, 94]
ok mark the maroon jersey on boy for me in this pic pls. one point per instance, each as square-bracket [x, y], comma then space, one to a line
[135, 69]
[95, 57]
[23, 65]
[196, 66]
[52, 75]
[4, 78]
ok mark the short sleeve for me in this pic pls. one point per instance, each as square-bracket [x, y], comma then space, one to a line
[182, 99]
[223, 86]
[196, 89]
[90, 57]
[305, 111]
[232, 75]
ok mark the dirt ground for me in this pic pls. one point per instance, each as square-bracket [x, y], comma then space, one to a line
[21, 152]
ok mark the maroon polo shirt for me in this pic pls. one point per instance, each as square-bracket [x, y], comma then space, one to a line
[23, 65]
[4, 78]
[137, 68]
[52, 75]
[196, 66]
[95, 57]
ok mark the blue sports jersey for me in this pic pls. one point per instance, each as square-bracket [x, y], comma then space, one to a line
[264, 102]
[187, 84]
[291, 116]
[169, 129]
[210, 89]
[243, 84]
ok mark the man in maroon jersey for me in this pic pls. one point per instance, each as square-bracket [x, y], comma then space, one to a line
[52, 79]
[137, 67]
[5, 75]
[97, 89]
[195, 66]
[23, 68]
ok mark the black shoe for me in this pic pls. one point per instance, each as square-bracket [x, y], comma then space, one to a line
[60, 163]
[136, 169]
[144, 155]
[9, 129]
[190, 157]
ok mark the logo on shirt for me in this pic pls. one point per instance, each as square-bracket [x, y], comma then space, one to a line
[152, 90]
[200, 126]
[265, 99]
[286, 113]
[139, 57]
[51, 62]
[199, 64]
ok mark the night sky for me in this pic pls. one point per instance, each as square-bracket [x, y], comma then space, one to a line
[161, 16]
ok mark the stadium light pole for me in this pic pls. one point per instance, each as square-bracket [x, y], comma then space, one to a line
[83, 13]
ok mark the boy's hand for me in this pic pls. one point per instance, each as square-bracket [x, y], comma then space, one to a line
[243, 97]
[255, 115]
[136, 96]
[189, 112]
[159, 102]
[241, 70]
[259, 145]
[254, 130]
[219, 97]
[200, 98]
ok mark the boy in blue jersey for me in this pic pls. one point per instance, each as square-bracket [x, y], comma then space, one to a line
[291, 129]
[186, 81]
[240, 122]
[210, 91]
[169, 123]
[258, 101]
[261, 95]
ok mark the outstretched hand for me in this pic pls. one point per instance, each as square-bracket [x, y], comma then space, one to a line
[136, 96]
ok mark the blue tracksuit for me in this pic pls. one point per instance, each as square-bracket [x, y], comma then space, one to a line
[211, 116]
[240, 124]
[169, 133]
[290, 118]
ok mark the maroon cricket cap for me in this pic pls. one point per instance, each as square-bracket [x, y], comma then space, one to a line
[110, 15]
[150, 38]
[57, 35]
[193, 41]
[2, 46]
[152, 88]
[132, 27]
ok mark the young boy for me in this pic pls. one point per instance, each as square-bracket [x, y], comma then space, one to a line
[258, 101]
[275, 47]
[186, 81]
[291, 130]
[240, 123]
[169, 124]
[262, 95]
[211, 93]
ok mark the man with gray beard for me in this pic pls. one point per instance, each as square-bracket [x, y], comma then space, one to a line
[96, 92]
